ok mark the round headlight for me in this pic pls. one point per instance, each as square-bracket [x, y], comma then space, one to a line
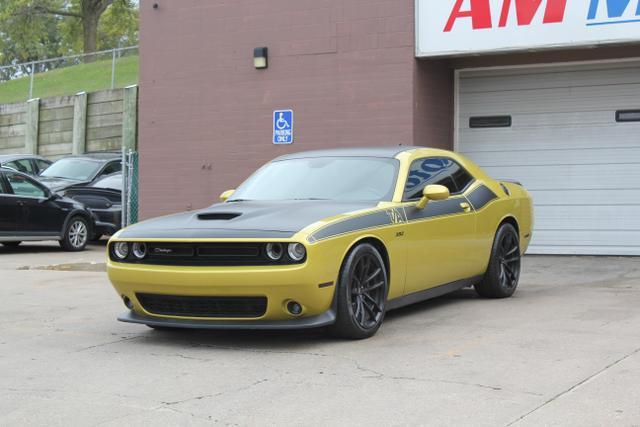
[139, 250]
[121, 250]
[296, 251]
[275, 251]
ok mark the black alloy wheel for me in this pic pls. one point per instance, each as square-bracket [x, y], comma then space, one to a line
[503, 273]
[362, 294]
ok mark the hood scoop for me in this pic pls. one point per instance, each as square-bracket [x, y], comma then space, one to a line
[218, 216]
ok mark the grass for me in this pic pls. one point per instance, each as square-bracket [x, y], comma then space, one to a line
[68, 81]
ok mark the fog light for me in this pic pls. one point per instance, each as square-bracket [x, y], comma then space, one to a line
[296, 251]
[294, 308]
[121, 250]
[139, 250]
[275, 251]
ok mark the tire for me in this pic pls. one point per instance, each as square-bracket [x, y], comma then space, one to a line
[362, 289]
[76, 236]
[503, 273]
[11, 244]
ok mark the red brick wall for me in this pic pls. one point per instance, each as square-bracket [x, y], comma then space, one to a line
[346, 67]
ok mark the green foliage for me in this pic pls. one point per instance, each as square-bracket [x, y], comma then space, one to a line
[38, 29]
[118, 27]
[67, 81]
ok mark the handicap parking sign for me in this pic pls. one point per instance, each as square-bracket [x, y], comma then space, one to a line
[283, 127]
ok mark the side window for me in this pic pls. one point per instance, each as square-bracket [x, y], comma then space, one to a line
[435, 171]
[23, 186]
[23, 166]
[112, 168]
[42, 165]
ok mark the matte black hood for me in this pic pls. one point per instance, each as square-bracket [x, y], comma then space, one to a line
[280, 219]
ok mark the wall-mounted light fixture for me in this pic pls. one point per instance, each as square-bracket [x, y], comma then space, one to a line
[156, 5]
[260, 58]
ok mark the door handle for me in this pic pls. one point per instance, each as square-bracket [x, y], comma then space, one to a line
[465, 206]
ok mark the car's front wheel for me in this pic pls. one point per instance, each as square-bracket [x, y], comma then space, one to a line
[76, 235]
[362, 294]
[503, 273]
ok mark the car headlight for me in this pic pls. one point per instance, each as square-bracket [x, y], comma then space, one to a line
[139, 250]
[121, 250]
[296, 251]
[275, 251]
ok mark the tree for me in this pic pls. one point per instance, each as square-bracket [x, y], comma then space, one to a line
[35, 29]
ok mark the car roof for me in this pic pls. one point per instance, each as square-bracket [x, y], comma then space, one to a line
[384, 152]
[11, 157]
[97, 157]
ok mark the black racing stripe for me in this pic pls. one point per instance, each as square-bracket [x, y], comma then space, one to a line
[435, 208]
[375, 219]
[481, 196]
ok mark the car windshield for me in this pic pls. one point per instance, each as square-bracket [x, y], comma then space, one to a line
[322, 178]
[74, 169]
[113, 182]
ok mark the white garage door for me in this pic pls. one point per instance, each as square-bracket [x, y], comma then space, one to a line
[574, 142]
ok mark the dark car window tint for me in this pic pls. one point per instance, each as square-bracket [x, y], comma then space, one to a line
[23, 166]
[42, 165]
[23, 186]
[435, 171]
[112, 168]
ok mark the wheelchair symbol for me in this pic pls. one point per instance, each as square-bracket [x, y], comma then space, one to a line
[281, 123]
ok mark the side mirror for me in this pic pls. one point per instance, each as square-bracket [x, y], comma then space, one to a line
[224, 196]
[433, 192]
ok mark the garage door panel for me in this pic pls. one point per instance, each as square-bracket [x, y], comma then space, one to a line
[600, 177]
[585, 121]
[544, 158]
[587, 218]
[498, 81]
[578, 242]
[548, 138]
[585, 197]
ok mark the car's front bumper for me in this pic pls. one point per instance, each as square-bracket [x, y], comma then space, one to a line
[310, 285]
[324, 319]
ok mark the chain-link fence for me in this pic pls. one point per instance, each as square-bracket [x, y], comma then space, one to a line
[107, 69]
[130, 187]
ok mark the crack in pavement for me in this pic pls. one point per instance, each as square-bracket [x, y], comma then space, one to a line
[358, 366]
[574, 387]
[110, 342]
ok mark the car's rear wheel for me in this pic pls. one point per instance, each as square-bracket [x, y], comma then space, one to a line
[76, 235]
[362, 294]
[11, 244]
[503, 273]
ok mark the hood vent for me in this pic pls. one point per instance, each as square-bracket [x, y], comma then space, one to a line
[218, 216]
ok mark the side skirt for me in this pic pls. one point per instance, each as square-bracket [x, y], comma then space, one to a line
[431, 293]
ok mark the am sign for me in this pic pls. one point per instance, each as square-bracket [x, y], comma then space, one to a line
[458, 27]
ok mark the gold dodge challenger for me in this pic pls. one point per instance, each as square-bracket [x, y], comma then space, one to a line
[332, 239]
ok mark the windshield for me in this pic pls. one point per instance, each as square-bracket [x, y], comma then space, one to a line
[75, 169]
[322, 178]
[113, 182]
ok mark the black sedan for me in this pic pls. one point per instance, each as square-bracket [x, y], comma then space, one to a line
[85, 169]
[104, 198]
[25, 163]
[31, 212]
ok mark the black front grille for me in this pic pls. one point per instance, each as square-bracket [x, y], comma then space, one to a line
[189, 306]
